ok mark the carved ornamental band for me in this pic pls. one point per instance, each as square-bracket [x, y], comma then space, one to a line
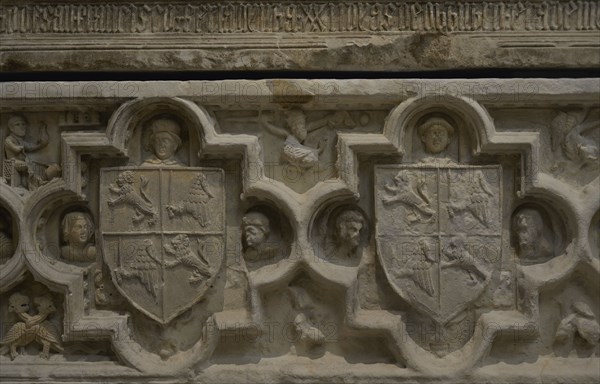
[311, 17]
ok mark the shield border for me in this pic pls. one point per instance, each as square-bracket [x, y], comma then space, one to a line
[440, 318]
[102, 199]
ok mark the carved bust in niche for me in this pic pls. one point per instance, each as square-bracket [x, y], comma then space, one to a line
[435, 134]
[256, 228]
[164, 141]
[531, 235]
[78, 229]
[347, 235]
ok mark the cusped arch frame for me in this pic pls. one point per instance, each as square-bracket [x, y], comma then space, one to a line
[13, 271]
[294, 205]
[57, 276]
[114, 143]
[485, 140]
[30, 255]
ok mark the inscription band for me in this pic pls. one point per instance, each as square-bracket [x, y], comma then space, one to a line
[306, 17]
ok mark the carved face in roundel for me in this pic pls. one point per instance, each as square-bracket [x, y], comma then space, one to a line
[435, 139]
[165, 145]
[350, 232]
[80, 231]
[77, 228]
[255, 236]
[256, 229]
[349, 225]
[528, 225]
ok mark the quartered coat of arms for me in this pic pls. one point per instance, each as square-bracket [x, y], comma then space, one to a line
[439, 233]
[162, 235]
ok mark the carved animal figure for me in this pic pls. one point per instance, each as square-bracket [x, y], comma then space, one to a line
[144, 267]
[308, 331]
[567, 135]
[471, 196]
[195, 202]
[46, 334]
[422, 270]
[411, 191]
[458, 256]
[583, 322]
[418, 269]
[18, 336]
[32, 329]
[126, 195]
[180, 248]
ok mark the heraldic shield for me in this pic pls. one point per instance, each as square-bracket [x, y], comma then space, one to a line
[163, 235]
[439, 233]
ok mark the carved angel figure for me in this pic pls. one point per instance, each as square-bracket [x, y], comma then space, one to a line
[567, 135]
[472, 196]
[411, 190]
[126, 195]
[195, 202]
[184, 255]
[581, 321]
[32, 328]
[294, 151]
[144, 266]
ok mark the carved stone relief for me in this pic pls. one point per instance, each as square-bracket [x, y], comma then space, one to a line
[20, 168]
[7, 241]
[440, 242]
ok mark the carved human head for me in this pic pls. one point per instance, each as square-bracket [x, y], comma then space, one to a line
[296, 120]
[348, 226]
[528, 225]
[77, 228]
[164, 137]
[256, 228]
[17, 125]
[436, 134]
[18, 303]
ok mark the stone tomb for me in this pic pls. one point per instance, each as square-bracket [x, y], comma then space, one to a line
[300, 231]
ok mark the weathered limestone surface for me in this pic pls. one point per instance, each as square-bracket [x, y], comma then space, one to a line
[137, 35]
[377, 231]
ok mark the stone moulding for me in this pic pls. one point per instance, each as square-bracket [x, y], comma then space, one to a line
[297, 35]
[313, 230]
